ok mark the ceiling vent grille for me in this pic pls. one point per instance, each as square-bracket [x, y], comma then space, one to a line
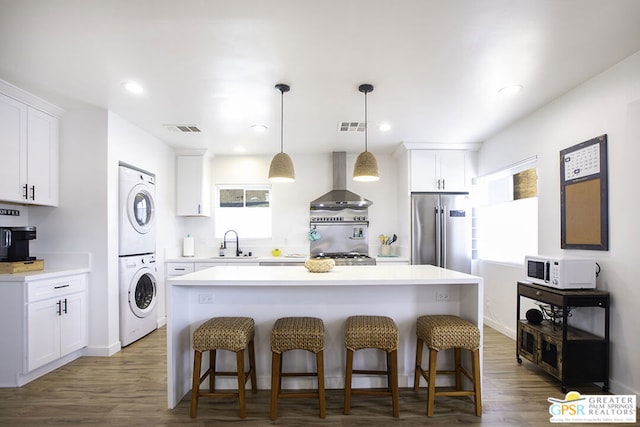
[351, 126]
[182, 128]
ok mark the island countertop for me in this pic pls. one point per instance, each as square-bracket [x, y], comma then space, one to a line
[402, 292]
[340, 275]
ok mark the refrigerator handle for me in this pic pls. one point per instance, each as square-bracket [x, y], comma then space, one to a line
[443, 235]
[438, 237]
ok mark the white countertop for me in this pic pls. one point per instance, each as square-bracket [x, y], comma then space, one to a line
[340, 275]
[47, 273]
[56, 264]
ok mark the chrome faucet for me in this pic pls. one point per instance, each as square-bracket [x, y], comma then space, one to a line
[224, 242]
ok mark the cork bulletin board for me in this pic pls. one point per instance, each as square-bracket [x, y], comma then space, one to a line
[584, 198]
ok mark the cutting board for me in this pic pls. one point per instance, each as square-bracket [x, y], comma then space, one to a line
[21, 266]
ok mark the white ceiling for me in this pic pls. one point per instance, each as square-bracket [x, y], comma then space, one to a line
[436, 65]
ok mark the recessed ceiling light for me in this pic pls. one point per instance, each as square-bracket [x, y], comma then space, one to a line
[384, 127]
[259, 128]
[239, 149]
[133, 87]
[510, 90]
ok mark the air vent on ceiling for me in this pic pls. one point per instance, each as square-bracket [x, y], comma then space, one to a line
[351, 126]
[182, 128]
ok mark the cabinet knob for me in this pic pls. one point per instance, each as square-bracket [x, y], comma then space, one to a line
[538, 293]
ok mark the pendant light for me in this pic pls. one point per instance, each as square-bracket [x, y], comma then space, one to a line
[281, 169]
[366, 167]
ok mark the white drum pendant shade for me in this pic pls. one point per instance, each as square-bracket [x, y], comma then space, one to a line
[281, 169]
[366, 167]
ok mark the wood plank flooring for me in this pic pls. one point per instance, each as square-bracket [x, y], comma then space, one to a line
[129, 389]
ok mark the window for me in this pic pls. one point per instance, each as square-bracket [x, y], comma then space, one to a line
[506, 226]
[245, 209]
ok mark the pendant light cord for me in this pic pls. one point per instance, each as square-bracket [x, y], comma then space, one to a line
[366, 124]
[281, 121]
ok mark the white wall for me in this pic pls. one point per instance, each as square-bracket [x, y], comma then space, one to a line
[91, 145]
[290, 201]
[79, 223]
[608, 103]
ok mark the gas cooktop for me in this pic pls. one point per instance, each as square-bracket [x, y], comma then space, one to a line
[347, 258]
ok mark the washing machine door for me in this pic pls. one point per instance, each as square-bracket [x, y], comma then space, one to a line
[140, 209]
[142, 292]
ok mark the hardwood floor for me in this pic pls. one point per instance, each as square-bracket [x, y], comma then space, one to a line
[129, 389]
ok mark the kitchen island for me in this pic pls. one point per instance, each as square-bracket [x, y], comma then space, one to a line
[402, 292]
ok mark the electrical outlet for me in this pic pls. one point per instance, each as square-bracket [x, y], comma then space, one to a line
[442, 296]
[205, 298]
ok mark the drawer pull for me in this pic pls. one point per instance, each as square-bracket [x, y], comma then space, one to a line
[179, 269]
[61, 286]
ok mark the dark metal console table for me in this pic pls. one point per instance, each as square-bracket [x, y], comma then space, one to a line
[570, 354]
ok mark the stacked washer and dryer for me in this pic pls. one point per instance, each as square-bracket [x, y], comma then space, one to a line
[137, 246]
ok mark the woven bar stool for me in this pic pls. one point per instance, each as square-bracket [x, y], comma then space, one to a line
[377, 332]
[296, 333]
[440, 332]
[223, 333]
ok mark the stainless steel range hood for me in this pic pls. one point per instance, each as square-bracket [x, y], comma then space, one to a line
[340, 197]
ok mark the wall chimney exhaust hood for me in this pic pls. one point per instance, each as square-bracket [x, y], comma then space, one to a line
[340, 197]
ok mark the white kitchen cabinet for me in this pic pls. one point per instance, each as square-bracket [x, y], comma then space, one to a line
[29, 144]
[439, 170]
[45, 324]
[179, 268]
[56, 319]
[174, 269]
[193, 190]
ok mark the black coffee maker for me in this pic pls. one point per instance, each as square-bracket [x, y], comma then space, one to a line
[14, 243]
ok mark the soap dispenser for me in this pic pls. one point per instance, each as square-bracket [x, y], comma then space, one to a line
[221, 253]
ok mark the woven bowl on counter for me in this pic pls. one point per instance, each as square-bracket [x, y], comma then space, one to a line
[321, 265]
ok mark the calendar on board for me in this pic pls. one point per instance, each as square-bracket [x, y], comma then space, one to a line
[582, 162]
[584, 198]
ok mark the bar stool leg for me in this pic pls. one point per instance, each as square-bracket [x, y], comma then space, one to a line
[241, 383]
[433, 356]
[195, 386]
[392, 369]
[476, 382]
[458, 367]
[276, 360]
[252, 367]
[417, 375]
[320, 371]
[347, 382]
[212, 370]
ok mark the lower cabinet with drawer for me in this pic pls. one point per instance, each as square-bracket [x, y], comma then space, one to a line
[57, 323]
[572, 355]
[48, 321]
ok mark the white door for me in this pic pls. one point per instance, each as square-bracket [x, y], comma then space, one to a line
[13, 116]
[140, 209]
[73, 328]
[43, 320]
[142, 293]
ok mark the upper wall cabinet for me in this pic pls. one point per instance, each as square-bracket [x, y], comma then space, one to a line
[29, 146]
[193, 191]
[439, 170]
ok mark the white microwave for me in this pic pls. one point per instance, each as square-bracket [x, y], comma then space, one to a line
[561, 273]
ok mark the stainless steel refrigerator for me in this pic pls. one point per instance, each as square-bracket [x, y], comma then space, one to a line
[441, 230]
